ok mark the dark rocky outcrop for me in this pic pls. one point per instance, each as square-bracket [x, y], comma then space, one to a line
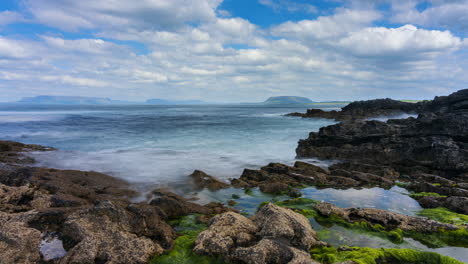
[279, 178]
[274, 235]
[365, 109]
[435, 141]
[202, 180]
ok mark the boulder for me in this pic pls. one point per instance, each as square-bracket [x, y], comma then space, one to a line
[274, 235]
[202, 180]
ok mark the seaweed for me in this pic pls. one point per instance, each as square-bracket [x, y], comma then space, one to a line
[365, 255]
[182, 253]
[444, 215]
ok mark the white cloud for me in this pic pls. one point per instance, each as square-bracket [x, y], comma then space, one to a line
[339, 56]
[403, 41]
[451, 15]
[9, 17]
[72, 15]
[324, 27]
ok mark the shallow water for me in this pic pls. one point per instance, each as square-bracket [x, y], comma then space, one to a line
[394, 199]
[160, 144]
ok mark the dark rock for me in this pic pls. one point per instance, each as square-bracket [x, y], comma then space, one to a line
[274, 188]
[454, 203]
[203, 180]
[174, 205]
[364, 109]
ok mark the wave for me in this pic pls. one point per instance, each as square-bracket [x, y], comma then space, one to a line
[162, 167]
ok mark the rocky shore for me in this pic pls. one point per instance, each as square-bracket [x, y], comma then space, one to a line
[66, 216]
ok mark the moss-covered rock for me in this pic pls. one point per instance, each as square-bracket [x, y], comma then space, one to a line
[328, 255]
[182, 253]
[444, 215]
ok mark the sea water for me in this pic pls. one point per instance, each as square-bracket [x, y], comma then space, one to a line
[160, 144]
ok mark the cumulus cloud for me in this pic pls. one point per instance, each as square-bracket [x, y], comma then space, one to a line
[73, 15]
[442, 14]
[199, 52]
[407, 40]
[324, 27]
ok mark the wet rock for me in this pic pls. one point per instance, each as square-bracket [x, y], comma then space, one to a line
[174, 205]
[272, 251]
[12, 152]
[274, 235]
[431, 188]
[22, 198]
[380, 170]
[203, 180]
[19, 243]
[107, 233]
[454, 203]
[274, 188]
[364, 109]
[434, 140]
[284, 224]
[226, 231]
[385, 218]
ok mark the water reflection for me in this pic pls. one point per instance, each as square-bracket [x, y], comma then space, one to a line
[394, 199]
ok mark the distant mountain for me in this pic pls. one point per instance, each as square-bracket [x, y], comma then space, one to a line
[68, 100]
[288, 100]
[158, 101]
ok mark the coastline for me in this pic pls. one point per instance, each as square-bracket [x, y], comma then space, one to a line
[92, 215]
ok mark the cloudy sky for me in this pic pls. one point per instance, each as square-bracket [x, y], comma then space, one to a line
[233, 50]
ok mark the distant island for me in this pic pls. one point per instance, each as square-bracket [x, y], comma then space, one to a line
[68, 100]
[288, 100]
[83, 100]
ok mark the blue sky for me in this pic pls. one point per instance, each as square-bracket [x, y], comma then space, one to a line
[233, 50]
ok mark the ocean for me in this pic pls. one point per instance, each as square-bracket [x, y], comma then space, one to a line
[152, 144]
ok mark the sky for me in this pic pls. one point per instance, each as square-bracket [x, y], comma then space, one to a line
[233, 50]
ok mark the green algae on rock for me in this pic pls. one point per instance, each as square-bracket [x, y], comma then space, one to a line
[423, 194]
[182, 253]
[365, 255]
[444, 215]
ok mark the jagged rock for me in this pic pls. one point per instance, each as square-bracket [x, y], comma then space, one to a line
[19, 243]
[430, 188]
[226, 231]
[109, 233]
[364, 109]
[385, 218]
[435, 140]
[22, 198]
[274, 187]
[454, 203]
[279, 178]
[272, 251]
[203, 180]
[175, 205]
[274, 235]
[284, 224]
